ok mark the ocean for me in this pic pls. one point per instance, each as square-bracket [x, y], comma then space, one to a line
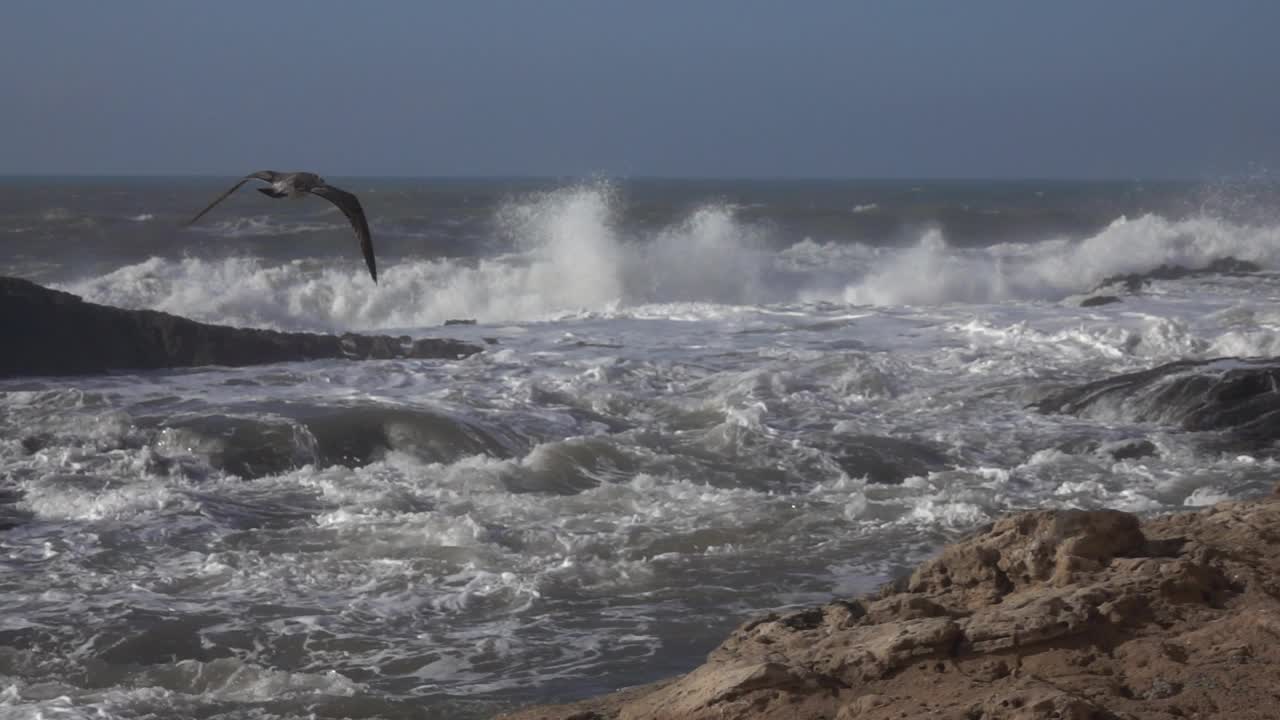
[699, 400]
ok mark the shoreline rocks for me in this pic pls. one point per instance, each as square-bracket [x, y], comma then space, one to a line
[50, 332]
[1065, 614]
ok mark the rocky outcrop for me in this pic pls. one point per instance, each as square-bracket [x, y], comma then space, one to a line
[1052, 614]
[1134, 282]
[1237, 399]
[49, 332]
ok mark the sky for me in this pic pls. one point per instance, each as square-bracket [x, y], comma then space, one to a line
[1119, 89]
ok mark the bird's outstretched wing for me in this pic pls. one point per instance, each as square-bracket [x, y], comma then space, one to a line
[350, 206]
[264, 175]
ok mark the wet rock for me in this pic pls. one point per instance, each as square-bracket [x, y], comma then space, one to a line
[1087, 615]
[1098, 300]
[886, 460]
[1127, 449]
[49, 332]
[1133, 282]
[33, 444]
[11, 515]
[1239, 398]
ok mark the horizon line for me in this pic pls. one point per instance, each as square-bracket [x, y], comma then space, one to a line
[646, 177]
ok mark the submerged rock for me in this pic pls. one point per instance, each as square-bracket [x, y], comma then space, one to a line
[1128, 449]
[1117, 450]
[1047, 614]
[49, 332]
[887, 460]
[1097, 300]
[1240, 399]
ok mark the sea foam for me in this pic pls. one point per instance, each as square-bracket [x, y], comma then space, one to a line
[567, 252]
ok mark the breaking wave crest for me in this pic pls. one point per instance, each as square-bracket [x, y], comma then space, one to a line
[567, 252]
[1054, 269]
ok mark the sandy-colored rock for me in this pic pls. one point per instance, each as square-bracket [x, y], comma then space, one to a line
[1026, 549]
[1073, 615]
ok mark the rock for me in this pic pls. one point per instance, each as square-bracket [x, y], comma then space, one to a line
[861, 706]
[49, 332]
[1027, 549]
[1236, 397]
[1039, 700]
[459, 321]
[887, 460]
[1127, 449]
[11, 513]
[1098, 300]
[1133, 282]
[1088, 615]
[726, 688]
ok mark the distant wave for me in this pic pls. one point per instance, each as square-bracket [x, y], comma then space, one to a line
[261, 225]
[56, 214]
[932, 272]
[571, 257]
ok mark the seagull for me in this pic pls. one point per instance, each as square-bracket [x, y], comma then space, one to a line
[298, 184]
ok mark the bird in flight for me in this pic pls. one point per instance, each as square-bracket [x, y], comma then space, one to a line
[298, 184]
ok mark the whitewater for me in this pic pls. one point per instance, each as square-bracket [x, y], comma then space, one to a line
[697, 402]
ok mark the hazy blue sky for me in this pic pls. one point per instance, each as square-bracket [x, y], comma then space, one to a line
[1114, 88]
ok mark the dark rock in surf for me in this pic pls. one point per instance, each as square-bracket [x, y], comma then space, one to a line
[586, 344]
[887, 460]
[1133, 282]
[11, 513]
[1240, 399]
[33, 444]
[1128, 449]
[1098, 300]
[49, 332]
[447, 323]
